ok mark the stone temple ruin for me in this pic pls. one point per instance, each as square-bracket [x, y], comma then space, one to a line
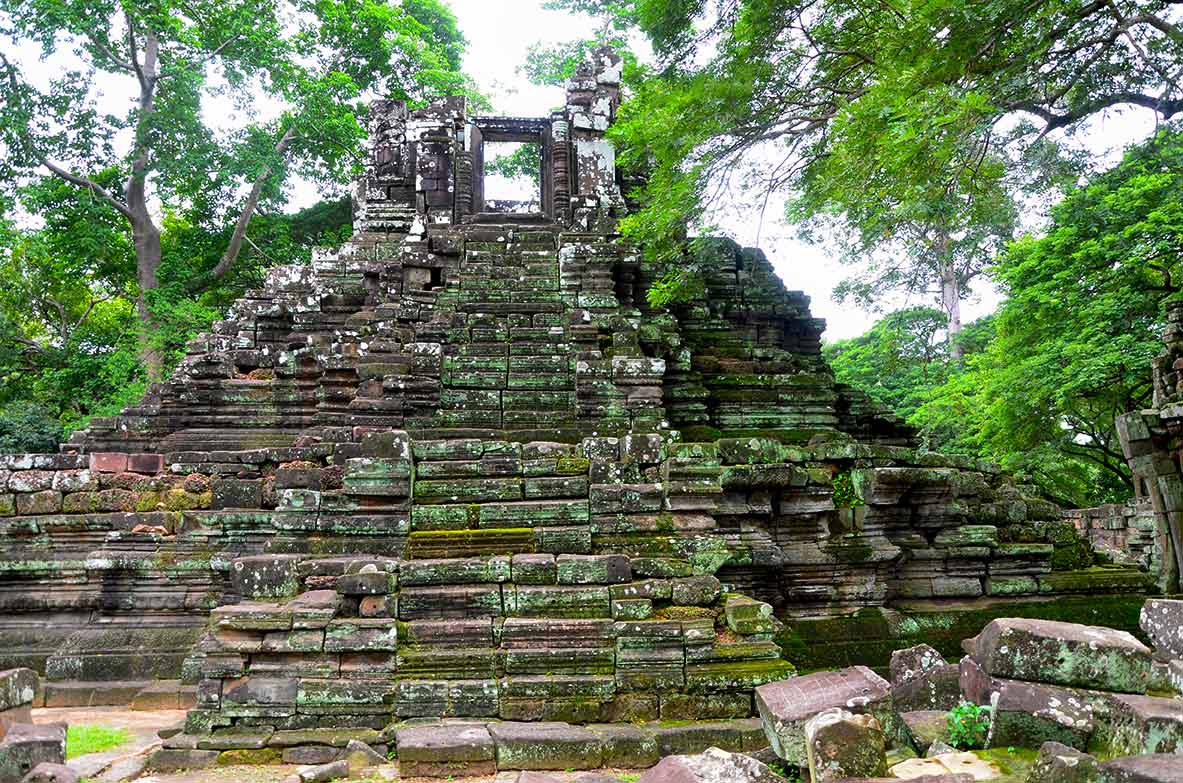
[461, 468]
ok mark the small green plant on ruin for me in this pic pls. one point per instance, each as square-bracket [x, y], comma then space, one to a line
[84, 738]
[968, 725]
[845, 495]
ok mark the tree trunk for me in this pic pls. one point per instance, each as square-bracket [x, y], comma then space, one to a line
[147, 244]
[951, 299]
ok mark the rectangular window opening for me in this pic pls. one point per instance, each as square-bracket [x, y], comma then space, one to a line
[512, 176]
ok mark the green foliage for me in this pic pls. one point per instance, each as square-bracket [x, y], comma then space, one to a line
[524, 162]
[554, 65]
[882, 120]
[968, 725]
[898, 361]
[845, 495]
[26, 427]
[1067, 351]
[84, 738]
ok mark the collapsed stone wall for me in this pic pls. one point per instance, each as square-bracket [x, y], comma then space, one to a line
[457, 386]
[1125, 532]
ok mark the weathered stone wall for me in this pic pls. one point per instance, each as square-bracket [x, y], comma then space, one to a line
[1125, 532]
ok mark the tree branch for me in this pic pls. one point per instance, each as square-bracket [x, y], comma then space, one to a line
[248, 210]
[90, 185]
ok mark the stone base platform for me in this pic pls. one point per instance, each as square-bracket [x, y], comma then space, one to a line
[458, 748]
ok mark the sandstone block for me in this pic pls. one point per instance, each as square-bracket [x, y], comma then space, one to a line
[785, 706]
[46, 772]
[1154, 768]
[840, 744]
[441, 750]
[695, 590]
[177, 760]
[1061, 764]
[545, 745]
[26, 745]
[1162, 620]
[1028, 714]
[1057, 653]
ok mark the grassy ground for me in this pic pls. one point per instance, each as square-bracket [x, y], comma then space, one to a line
[86, 738]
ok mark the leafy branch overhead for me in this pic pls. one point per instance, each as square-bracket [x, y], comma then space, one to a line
[225, 101]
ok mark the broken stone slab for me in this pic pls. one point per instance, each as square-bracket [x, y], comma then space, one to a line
[178, 759]
[906, 665]
[976, 686]
[1144, 724]
[359, 756]
[840, 744]
[45, 772]
[1057, 653]
[786, 705]
[545, 745]
[965, 765]
[926, 727]
[1059, 763]
[446, 749]
[17, 689]
[1162, 621]
[1027, 714]
[1154, 768]
[322, 773]
[711, 766]
[26, 745]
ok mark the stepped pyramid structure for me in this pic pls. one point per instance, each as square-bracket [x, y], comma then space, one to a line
[460, 468]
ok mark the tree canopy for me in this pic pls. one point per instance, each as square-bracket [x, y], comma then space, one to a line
[292, 73]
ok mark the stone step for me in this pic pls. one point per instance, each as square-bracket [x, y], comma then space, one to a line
[422, 544]
[450, 601]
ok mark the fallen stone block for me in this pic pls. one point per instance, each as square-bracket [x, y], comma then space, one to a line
[840, 744]
[786, 705]
[711, 766]
[1026, 714]
[306, 755]
[545, 745]
[361, 756]
[1059, 763]
[909, 664]
[926, 727]
[18, 687]
[446, 749]
[26, 745]
[1056, 653]
[1144, 724]
[322, 773]
[535, 777]
[1162, 620]
[935, 689]
[1154, 768]
[46, 772]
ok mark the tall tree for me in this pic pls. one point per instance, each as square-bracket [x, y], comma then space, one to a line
[293, 70]
[849, 104]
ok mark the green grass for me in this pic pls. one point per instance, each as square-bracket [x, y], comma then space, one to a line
[92, 738]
